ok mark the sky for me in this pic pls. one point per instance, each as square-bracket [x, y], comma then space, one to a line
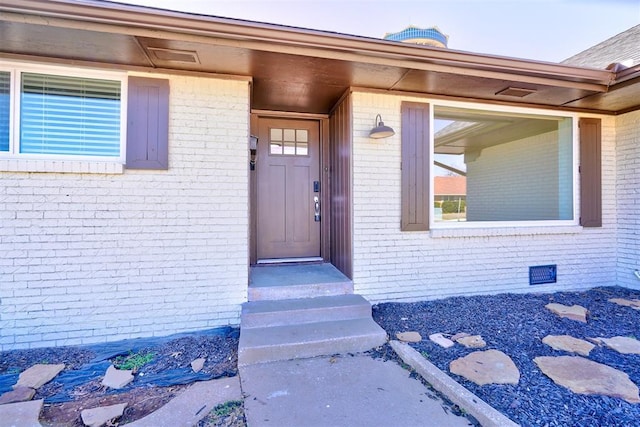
[544, 30]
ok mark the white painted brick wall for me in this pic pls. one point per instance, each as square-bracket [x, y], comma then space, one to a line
[93, 257]
[408, 266]
[628, 196]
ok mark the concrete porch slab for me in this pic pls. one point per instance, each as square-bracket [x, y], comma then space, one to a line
[274, 282]
[295, 274]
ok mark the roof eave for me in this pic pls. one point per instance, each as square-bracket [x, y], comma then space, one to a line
[368, 49]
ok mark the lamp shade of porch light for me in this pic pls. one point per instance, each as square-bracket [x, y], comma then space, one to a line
[381, 131]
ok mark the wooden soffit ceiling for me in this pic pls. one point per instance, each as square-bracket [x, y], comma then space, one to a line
[294, 69]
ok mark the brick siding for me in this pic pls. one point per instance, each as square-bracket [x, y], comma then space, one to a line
[408, 266]
[100, 257]
[628, 197]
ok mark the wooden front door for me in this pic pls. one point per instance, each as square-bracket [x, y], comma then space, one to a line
[288, 175]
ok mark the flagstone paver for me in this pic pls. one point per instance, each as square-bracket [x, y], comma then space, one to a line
[459, 335]
[568, 343]
[584, 376]
[486, 367]
[441, 340]
[633, 303]
[198, 364]
[38, 375]
[116, 378]
[193, 404]
[102, 415]
[574, 312]
[22, 414]
[472, 341]
[410, 336]
[623, 345]
[18, 394]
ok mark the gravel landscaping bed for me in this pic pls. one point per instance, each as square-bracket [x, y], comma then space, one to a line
[164, 374]
[516, 325]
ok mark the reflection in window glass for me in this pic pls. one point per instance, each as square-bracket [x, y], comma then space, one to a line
[289, 142]
[276, 135]
[289, 135]
[275, 147]
[491, 166]
[5, 80]
[290, 148]
[302, 135]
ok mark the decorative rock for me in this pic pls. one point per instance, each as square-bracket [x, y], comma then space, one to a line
[472, 341]
[459, 335]
[409, 336]
[98, 417]
[624, 345]
[575, 312]
[115, 378]
[568, 343]
[18, 394]
[584, 376]
[486, 367]
[38, 375]
[22, 414]
[441, 340]
[633, 303]
[198, 364]
[186, 409]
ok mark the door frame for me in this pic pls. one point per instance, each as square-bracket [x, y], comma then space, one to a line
[325, 199]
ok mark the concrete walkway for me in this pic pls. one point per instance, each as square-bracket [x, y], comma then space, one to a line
[339, 391]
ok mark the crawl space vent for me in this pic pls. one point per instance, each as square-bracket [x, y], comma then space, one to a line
[541, 274]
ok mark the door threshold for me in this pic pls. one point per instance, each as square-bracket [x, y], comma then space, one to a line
[289, 260]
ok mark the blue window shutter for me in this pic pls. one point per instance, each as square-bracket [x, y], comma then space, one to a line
[148, 124]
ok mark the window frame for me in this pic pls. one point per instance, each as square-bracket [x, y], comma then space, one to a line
[15, 69]
[453, 225]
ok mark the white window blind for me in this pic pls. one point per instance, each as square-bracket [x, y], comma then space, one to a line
[69, 115]
[5, 105]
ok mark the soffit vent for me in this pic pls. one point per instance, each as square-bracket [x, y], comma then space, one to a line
[518, 92]
[174, 55]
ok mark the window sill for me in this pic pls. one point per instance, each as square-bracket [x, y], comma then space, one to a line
[61, 166]
[504, 231]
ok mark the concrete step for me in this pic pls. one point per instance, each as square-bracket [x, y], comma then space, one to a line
[259, 345]
[266, 313]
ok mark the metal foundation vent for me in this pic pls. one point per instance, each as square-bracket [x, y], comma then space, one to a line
[541, 274]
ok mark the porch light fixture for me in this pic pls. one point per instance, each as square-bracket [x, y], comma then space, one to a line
[381, 131]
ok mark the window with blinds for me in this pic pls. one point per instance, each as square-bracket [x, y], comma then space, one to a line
[5, 105]
[68, 115]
